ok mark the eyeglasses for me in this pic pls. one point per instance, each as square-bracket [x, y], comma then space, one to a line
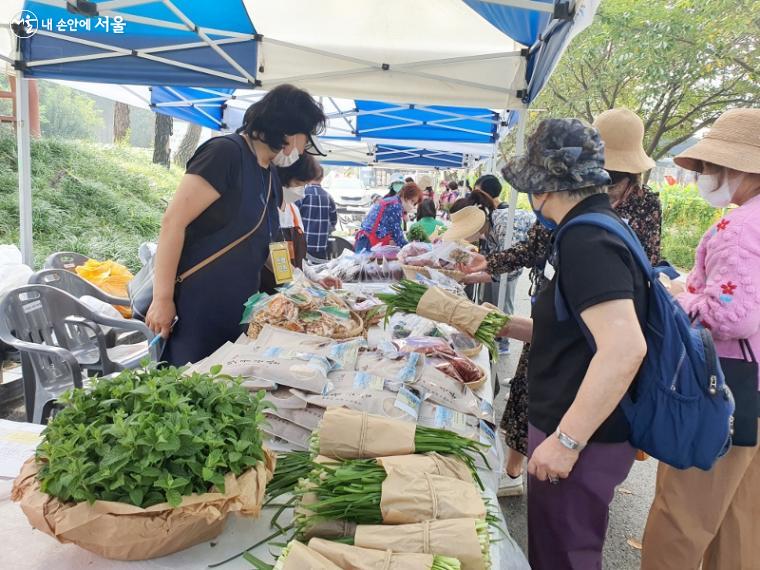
[311, 147]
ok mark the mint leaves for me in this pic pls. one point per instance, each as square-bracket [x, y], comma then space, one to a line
[151, 436]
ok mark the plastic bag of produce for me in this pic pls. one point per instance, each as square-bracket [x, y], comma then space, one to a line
[110, 276]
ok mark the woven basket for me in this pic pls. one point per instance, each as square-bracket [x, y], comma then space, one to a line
[356, 330]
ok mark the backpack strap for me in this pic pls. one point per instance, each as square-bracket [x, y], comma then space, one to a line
[615, 227]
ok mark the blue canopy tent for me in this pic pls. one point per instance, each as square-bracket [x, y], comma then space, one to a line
[486, 54]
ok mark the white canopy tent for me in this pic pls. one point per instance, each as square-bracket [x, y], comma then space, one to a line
[470, 53]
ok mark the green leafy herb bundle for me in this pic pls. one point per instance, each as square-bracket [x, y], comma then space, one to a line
[151, 436]
[407, 298]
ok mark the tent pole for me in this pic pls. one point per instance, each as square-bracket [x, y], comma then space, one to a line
[24, 168]
[519, 150]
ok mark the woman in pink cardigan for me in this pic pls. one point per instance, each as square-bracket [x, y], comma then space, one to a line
[713, 517]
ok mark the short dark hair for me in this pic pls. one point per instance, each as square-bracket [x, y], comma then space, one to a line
[458, 205]
[489, 184]
[408, 179]
[305, 169]
[410, 192]
[481, 200]
[453, 186]
[426, 209]
[285, 110]
[320, 174]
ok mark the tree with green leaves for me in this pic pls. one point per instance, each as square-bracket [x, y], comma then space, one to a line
[67, 113]
[678, 64]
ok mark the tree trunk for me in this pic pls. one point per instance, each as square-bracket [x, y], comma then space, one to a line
[161, 147]
[188, 145]
[120, 123]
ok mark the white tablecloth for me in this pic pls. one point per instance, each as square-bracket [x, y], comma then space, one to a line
[24, 548]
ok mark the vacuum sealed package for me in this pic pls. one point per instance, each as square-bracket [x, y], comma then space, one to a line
[440, 388]
[307, 417]
[392, 365]
[295, 435]
[284, 343]
[403, 404]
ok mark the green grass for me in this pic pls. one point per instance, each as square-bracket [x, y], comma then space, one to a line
[101, 201]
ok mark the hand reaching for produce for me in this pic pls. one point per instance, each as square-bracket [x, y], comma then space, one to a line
[331, 282]
[477, 264]
[160, 317]
[479, 277]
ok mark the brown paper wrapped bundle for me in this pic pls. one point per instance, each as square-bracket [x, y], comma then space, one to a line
[444, 307]
[457, 538]
[345, 434]
[354, 558]
[125, 532]
[409, 498]
[298, 556]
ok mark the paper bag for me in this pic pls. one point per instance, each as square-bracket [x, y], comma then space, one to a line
[454, 537]
[354, 558]
[346, 434]
[301, 557]
[125, 532]
[409, 498]
[445, 307]
[431, 463]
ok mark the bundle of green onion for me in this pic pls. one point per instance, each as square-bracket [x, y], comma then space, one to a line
[289, 469]
[407, 297]
[349, 490]
[442, 441]
[304, 553]
[405, 536]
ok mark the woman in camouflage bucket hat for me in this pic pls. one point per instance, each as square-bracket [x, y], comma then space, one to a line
[563, 155]
[577, 434]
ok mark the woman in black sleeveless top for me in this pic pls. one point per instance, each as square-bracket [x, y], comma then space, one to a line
[230, 185]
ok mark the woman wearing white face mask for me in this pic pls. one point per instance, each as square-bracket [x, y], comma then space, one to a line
[216, 232]
[291, 231]
[713, 517]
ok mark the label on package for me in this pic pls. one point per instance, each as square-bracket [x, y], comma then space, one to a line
[409, 402]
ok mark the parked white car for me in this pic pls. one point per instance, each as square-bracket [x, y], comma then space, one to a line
[349, 191]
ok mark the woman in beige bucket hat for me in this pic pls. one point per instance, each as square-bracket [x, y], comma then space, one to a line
[712, 517]
[625, 159]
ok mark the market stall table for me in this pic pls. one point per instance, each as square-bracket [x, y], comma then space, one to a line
[40, 551]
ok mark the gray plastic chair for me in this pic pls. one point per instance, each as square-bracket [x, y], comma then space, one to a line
[337, 245]
[75, 285]
[67, 260]
[58, 337]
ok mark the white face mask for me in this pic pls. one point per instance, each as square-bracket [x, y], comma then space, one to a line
[715, 193]
[293, 193]
[284, 160]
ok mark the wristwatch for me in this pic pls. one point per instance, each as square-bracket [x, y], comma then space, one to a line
[569, 442]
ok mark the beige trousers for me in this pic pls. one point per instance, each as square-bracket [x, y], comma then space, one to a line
[708, 517]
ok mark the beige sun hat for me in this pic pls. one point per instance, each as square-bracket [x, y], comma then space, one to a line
[425, 181]
[622, 132]
[733, 141]
[465, 223]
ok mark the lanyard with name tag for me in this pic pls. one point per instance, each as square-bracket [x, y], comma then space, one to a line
[279, 257]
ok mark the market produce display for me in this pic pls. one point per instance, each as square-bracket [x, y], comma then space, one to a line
[365, 267]
[147, 445]
[482, 322]
[366, 493]
[303, 307]
[352, 435]
[357, 558]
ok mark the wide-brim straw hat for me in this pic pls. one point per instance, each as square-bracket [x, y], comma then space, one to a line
[733, 142]
[425, 181]
[623, 134]
[465, 223]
